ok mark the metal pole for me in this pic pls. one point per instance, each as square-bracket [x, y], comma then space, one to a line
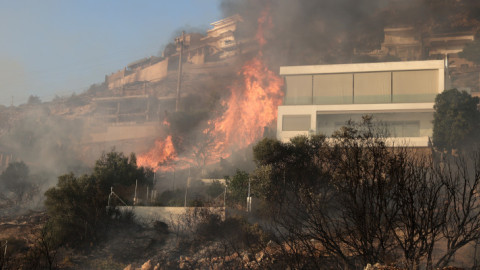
[147, 196]
[179, 81]
[225, 197]
[173, 179]
[109, 196]
[249, 199]
[186, 191]
[135, 196]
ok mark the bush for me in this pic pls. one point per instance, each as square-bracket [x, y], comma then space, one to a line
[161, 227]
[77, 205]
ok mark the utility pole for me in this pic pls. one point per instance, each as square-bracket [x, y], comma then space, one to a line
[146, 202]
[179, 81]
[186, 189]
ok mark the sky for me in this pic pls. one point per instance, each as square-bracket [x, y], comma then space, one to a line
[58, 47]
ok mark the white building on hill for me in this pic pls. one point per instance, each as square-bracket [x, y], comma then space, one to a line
[320, 99]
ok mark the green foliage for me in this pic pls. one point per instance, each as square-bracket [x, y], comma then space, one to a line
[17, 179]
[456, 123]
[215, 189]
[77, 205]
[115, 169]
[76, 209]
[15, 176]
[237, 187]
[33, 100]
[287, 166]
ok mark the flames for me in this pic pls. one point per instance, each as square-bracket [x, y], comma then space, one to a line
[251, 107]
[160, 155]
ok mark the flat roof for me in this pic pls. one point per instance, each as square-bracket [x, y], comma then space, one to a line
[362, 67]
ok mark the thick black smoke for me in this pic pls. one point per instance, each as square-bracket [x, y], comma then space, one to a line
[329, 31]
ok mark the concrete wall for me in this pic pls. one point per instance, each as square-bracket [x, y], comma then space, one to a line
[112, 133]
[115, 79]
[151, 73]
[175, 217]
[197, 57]
[314, 110]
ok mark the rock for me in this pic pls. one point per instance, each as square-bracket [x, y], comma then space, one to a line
[247, 257]
[259, 256]
[147, 265]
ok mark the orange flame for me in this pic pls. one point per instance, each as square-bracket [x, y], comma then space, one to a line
[252, 106]
[158, 156]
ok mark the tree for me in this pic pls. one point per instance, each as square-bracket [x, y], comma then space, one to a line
[114, 169]
[76, 209]
[456, 121]
[237, 187]
[16, 179]
[215, 189]
[33, 100]
[461, 179]
[77, 205]
[367, 202]
[279, 163]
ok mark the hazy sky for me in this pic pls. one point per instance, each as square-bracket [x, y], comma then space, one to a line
[57, 47]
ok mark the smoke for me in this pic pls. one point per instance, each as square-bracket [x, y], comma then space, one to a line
[327, 31]
[303, 32]
[43, 141]
[12, 76]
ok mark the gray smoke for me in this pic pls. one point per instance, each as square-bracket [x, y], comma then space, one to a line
[328, 31]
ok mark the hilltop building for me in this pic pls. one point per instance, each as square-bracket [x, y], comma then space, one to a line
[408, 44]
[218, 44]
[320, 99]
[129, 114]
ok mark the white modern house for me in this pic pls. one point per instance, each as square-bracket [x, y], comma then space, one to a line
[322, 98]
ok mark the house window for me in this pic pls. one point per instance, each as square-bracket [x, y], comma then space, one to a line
[296, 123]
[333, 89]
[372, 87]
[299, 90]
